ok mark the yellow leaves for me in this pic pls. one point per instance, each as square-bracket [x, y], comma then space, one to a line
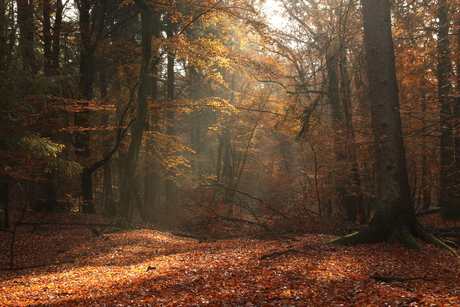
[218, 103]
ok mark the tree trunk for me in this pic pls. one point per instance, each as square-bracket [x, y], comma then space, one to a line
[5, 200]
[47, 50]
[82, 118]
[348, 181]
[425, 184]
[170, 185]
[394, 218]
[87, 191]
[110, 207]
[56, 38]
[152, 179]
[356, 193]
[126, 192]
[448, 195]
[26, 35]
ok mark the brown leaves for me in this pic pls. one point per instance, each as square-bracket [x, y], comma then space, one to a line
[151, 268]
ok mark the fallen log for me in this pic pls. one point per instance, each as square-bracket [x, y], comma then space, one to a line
[184, 235]
[263, 257]
[391, 279]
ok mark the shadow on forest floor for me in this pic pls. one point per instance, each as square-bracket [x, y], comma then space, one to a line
[152, 268]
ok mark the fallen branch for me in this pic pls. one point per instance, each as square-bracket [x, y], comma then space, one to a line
[448, 235]
[446, 229]
[61, 224]
[234, 190]
[391, 279]
[263, 257]
[429, 211]
[184, 235]
[6, 230]
[232, 219]
[289, 238]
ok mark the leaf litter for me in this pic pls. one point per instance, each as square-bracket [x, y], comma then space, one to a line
[69, 266]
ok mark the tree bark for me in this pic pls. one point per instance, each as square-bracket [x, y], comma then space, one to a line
[4, 198]
[356, 193]
[348, 181]
[56, 38]
[47, 50]
[126, 192]
[152, 179]
[448, 195]
[26, 35]
[82, 118]
[110, 207]
[170, 185]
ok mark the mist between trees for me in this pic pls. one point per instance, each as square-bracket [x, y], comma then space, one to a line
[192, 115]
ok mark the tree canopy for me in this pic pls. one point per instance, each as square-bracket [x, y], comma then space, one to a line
[195, 114]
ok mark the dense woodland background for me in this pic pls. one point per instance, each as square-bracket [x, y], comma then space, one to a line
[190, 113]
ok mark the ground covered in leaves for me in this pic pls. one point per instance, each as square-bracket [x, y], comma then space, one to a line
[63, 265]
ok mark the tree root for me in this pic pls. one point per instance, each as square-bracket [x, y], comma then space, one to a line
[433, 240]
[123, 223]
[345, 240]
[404, 235]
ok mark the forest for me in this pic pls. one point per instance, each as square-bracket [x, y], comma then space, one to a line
[163, 144]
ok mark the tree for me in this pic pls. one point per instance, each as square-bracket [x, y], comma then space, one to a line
[394, 218]
[448, 194]
[127, 184]
[328, 33]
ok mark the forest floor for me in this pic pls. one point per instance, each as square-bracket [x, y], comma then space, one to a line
[70, 266]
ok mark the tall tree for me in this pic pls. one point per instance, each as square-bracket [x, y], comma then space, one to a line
[141, 116]
[152, 178]
[170, 118]
[394, 218]
[448, 194]
[26, 35]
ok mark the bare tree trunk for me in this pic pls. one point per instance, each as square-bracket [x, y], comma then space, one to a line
[26, 35]
[348, 181]
[425, 184]
[354, 176]
[170, 186]
[82, 118]
[127, 188]
[448, 194]
[152, 179]
[5, 200]
[395, 210]
[110, 207]
[47, 52]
